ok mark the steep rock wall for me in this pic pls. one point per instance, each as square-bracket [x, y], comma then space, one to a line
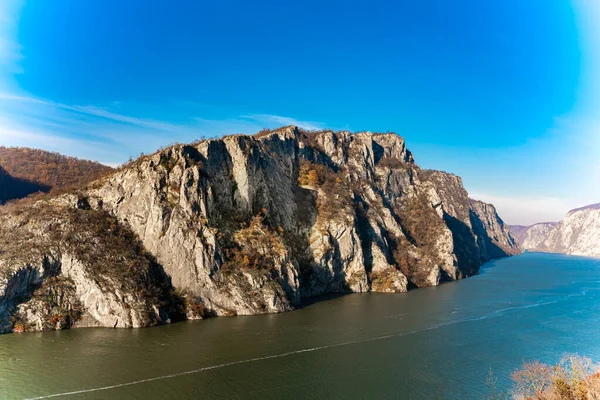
[246, 225]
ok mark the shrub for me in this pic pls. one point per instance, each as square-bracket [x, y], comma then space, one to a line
[255, 246]
[338, 198]
[385, 280]
[420, 220]
[573, 378]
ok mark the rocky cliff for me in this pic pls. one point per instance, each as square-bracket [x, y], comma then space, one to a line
[577, 234]
[249, 224]
[518, 231]
[64, 265]
[531, 237]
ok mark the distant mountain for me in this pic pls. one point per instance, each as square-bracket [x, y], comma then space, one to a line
[530, 237]
[518, 231]
[590, 207]
[24, 171]
[577, 234]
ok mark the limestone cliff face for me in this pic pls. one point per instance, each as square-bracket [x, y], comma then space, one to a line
[577, 234]
[531, 237]
[63, 265]
[479, 234]
[493, 236]
[253, 224]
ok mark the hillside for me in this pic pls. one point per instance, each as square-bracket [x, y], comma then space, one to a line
[32, 170]
[14, 188]
[254, 224]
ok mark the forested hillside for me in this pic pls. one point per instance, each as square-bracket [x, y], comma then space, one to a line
[24, 171]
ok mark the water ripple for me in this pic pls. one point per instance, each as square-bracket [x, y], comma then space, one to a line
[493, 314]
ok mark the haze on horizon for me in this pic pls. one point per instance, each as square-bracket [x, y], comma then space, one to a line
[502, 93]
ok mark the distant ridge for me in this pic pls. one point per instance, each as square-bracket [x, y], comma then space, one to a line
[577, 234]
[14, 188]
[24, 171]
[590, 207]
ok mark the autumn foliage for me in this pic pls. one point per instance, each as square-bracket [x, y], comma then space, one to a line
[38, 170]
[573, 378]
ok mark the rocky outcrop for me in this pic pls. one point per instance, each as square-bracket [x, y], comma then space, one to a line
[253, 224]
[479, 234]
[531, 237]
[518, 231]
[493, 236]
[62, 266]
[577, 234]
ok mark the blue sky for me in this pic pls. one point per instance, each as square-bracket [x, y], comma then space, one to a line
[503, 92]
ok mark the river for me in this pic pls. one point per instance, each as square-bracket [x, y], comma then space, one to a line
[433, 343]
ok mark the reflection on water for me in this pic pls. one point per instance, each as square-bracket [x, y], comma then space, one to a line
[429, 343]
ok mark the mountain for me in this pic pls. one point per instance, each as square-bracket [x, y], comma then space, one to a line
[531, 237]
[518, 231]
[241, 225]
[24, 171]
[577, 234]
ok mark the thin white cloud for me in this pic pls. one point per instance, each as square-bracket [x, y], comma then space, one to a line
[93, 111]
[10, 50]
[104, 113]
[97, 151]
[83, 131]
[522, 210]
[111, 137]
[270, 120]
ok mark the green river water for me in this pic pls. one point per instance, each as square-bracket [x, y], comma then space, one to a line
[433, 343]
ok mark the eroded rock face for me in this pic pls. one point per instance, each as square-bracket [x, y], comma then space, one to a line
[577, 234]
[493, 236]
[532, 237]
[66, 267]
[253, 224]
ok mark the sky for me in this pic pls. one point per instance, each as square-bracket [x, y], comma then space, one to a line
[504, 93]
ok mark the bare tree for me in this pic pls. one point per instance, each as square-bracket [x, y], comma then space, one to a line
[532, 381]
[573, 378]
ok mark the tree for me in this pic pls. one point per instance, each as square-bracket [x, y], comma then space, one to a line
[313, 178]
[533, 379]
